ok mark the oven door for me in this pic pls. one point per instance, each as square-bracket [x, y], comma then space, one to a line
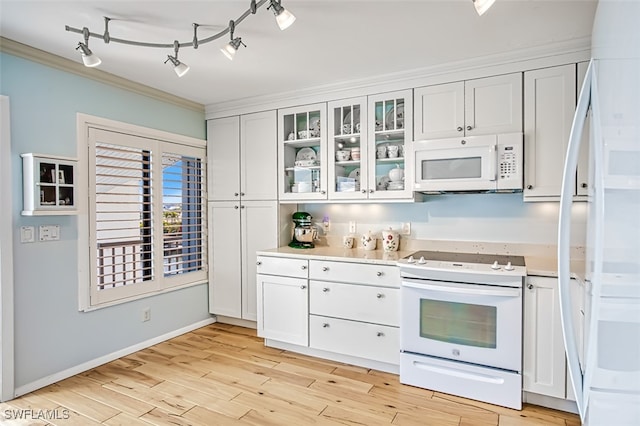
[479, 324]
[467, 164]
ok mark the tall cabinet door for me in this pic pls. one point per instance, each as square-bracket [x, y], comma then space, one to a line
[223, 152]
[544, 354]
[582, 178]
[225, 290]
[493, 105]
[259, 232]
[550, 97]
[258, 154]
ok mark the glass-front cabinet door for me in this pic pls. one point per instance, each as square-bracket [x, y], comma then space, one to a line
[302, 153]
[389, 144]
[348, 149]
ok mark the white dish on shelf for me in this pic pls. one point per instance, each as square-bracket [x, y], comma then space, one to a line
[355, 174]
[305, 163]
[306, 154]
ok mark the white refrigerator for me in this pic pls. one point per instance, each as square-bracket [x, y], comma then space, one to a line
[607, 381]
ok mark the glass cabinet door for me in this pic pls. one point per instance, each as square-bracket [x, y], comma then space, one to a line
[48, 185]
[390, 144]
[348, 149]
[302, 153]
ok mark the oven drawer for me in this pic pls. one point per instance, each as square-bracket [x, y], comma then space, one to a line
[356, 302]
[369, 341]
[284, 266]
[358, 273]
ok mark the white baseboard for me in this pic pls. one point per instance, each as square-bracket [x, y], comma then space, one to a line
[551, 402]
[237, 321]
[53, 378]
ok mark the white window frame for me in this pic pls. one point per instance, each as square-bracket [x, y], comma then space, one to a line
[179, 144]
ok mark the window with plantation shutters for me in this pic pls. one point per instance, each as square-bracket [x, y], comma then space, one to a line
[146, 223]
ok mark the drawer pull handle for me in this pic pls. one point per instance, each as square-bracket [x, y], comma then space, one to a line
[380, 334]
[379, 273]
[326, 289]
[304, 267]
[325, 268]
[379, 295]
[258, 263]
[325, 325]
[303, 287]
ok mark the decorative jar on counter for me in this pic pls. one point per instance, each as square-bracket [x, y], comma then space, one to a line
[368, 241]
[390, 240]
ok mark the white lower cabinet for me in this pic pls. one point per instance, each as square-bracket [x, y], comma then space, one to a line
[372, 341]
[283, 302]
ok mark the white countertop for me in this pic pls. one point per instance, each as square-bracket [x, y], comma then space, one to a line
[536, 265]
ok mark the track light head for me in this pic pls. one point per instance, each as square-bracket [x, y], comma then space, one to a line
[230, 48]
[284, 18]
[482, 5]
[88, 58]
[179, 67]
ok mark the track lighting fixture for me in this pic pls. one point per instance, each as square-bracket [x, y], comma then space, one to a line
[179, 67]
[88, 58]
[284, 18]
[482, 5]
[230, 48]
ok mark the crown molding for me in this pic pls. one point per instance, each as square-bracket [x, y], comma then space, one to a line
[33, 54]
[548, 55]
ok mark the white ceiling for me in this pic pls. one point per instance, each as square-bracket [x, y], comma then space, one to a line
[331, 41]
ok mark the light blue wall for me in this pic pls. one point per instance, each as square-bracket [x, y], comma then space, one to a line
[51, 335]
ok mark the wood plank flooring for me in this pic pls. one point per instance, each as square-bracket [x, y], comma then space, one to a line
[224, 375]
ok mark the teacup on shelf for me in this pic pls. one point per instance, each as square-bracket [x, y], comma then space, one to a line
[303, 134]
[343, 155]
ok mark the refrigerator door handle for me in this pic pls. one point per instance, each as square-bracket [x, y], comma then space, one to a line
[564, 242]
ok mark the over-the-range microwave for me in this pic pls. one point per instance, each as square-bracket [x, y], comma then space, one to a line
[469, 164]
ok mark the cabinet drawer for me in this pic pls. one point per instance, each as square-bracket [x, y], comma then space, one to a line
[356, 302]
[283, 266]
[370, 341]
[359, 273]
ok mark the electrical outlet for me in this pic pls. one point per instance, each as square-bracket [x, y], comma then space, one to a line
[406, 228]
[146, 314]
[352, 227]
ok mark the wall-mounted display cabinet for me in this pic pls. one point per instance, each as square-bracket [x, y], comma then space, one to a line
[49, 185]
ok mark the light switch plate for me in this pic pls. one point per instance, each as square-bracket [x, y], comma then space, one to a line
[49, 232]
[27, 234]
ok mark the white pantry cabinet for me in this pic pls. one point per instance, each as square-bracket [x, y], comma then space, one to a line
[238, 230]
[49, 185]
[242, 154]
[283, 308]
[468, 108]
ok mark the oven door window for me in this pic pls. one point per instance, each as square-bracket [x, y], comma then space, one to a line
[458, 323]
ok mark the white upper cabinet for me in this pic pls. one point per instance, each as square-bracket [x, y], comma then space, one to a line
[389, 145]
[467, 108]
[242, 154]
[550, 99]
[49, 185]
[302, 153]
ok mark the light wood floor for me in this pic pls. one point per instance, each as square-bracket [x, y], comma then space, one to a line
[223, 374]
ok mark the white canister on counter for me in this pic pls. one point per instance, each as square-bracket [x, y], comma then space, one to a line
[368, 241]
[390, 240]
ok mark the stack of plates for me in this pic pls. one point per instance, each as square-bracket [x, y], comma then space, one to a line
[395, 186]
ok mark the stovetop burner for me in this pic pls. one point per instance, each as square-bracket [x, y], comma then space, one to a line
[474, 258]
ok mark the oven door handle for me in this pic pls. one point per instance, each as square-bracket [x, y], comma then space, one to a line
[463, 289]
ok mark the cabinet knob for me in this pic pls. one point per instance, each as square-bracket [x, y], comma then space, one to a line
[459, 128]
[529, 186]
[325, 268]
[530, 286]
[469, 128]
[258, 263]
[302, 287]
[323, 192]
[371, 191]
[379, 295]
[364, 191]
[380, 334]
[584, 185]
[325, 325]
[242, 207]
[304, 267]
[236, 207]
[242, 194]
[235, 194]
[379, 273]
[326, 289]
